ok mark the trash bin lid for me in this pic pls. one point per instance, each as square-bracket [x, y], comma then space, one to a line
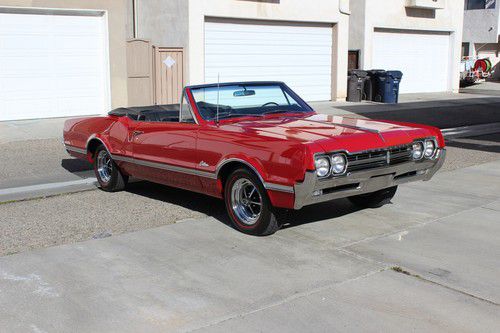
[358, 73]
[395, 74]
[376, 72]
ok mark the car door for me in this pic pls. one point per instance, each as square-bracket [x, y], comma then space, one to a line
[165, 152]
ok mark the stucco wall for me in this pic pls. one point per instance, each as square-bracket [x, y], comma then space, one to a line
[285, 10]
[357, 27]
[163, 22]
[393, 14]
[117, 16]
[481, 25]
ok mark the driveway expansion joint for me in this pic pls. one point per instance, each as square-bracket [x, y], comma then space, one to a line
[291, 298]
[404, 271]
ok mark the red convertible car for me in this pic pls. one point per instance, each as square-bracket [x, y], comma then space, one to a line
[258, 146]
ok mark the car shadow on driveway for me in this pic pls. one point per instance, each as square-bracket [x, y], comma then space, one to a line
[215, 208]
[76, 166]
[318, 212]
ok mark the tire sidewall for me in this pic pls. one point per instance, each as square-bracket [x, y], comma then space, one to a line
[106, 186]
[266, 211]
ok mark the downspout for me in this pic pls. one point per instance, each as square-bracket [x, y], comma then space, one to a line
[344, 7]
[134, 19]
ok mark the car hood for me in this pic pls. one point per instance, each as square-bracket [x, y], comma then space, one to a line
[331, 132]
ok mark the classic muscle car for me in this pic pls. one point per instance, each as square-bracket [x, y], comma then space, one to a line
[258, 146]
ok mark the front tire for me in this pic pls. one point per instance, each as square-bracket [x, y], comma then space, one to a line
[375, 199]
[107, 172]
[248, 205]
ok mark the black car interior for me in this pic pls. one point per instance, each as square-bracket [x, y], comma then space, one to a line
[152, 113]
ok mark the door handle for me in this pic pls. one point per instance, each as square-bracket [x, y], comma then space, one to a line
[136, 133]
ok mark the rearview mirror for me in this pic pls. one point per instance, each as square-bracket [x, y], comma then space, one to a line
[240, 93]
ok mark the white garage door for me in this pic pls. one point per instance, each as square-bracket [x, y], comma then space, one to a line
[423, 58]
[52, 66]
[298, 55]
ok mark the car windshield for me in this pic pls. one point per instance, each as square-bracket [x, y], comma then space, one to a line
[237, 100]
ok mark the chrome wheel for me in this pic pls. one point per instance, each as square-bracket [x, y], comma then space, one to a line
[246, 201]
[104, 166]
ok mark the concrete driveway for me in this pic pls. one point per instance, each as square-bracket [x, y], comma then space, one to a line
[430, 261]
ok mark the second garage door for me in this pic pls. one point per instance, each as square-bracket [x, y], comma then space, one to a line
[423, 57]
[299, 55]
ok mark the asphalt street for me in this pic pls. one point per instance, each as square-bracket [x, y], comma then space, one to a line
[428, 262]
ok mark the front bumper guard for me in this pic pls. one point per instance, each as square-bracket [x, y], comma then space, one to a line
[313, 190]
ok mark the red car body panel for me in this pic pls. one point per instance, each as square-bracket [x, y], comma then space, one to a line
[279, 148]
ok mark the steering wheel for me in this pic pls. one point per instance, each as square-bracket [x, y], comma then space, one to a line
[269, 103]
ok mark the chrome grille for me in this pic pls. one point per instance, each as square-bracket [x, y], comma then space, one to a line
[378, 158]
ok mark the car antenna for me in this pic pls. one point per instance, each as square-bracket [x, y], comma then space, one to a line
[217, 112]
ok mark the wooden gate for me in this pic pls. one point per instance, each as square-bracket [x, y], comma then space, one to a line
[169, 75]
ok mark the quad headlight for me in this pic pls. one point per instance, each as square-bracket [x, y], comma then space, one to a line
[322, 165]
[335, 164]
[339, 164]
[430, 148]
[417, 150]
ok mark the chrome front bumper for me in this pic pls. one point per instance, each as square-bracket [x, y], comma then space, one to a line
[313, 190]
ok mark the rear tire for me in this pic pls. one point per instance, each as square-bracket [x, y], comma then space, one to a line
[248, 205]
[375, 199]
[107, 172]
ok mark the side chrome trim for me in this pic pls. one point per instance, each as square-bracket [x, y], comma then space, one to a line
[164, 166]
[279, 188]
[76, 149]
[93, 136]
[226, 161]
[267, 186]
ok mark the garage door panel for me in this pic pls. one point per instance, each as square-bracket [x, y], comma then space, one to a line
[248, 60]
[297, 55]
[423, 59]
[290, 71]
[260, 49]
[269, 39]
[52, 66]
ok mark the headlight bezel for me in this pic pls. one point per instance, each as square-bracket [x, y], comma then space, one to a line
[422, 149]
[434, 148]
[330, 157]
[344, 169]
[329, 167]
[423, 142]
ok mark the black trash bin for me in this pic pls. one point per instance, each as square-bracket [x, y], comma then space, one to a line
[385, 85]
[355, 85]
[375, 88]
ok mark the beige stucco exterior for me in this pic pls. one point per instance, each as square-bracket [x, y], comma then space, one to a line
[367, 15]
[116, 12]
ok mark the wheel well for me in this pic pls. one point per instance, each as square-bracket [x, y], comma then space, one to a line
[92, 146]
[229, 167]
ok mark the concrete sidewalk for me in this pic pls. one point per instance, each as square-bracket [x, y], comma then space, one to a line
[330, 269]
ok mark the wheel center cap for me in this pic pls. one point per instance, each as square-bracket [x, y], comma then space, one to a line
[245, 202]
